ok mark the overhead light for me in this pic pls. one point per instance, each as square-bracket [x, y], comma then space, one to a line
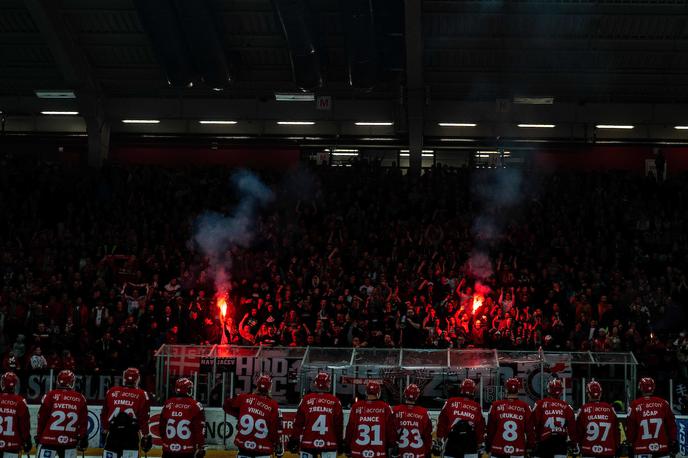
[614, 126]
[294, 96]
[349, 154]
[681, 127]
[295, 123]
[537, 126]
[456, 124]
[378, 139]
[60, 113]
[141, 121]
[345, 150]
[506, 153]
[457, 139]
[482, 155]
[374, 123]
[54, 94]
[423, 151]
[216, 122]
[423, 155]
[533, 100]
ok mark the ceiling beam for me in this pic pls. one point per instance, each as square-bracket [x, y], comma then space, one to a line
[415, 89]
[77, 73]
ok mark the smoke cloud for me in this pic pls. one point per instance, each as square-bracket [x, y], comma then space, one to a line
[215, 234]
[495, 192]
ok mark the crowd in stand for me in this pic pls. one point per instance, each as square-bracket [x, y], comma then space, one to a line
[96, 266]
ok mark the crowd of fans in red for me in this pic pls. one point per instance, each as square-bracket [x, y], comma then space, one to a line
[96, 266]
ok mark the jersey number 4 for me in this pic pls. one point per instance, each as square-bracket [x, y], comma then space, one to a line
[320, 425]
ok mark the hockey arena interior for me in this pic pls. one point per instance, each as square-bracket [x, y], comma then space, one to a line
[343, 228]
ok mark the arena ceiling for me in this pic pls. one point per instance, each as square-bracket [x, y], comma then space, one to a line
[573, 64]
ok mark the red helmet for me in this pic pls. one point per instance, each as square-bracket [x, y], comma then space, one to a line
[373, 388]
[512, 385]
[322, 381]
[594, 390]
[131, 376]
[412, 393]
[264, 384]
[555, 387]
[8, 382]
[66, 379]
[647, 385]
[183, 386]
[467, 387]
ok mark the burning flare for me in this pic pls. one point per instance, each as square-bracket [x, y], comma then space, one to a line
[477, 302]
[222, 305]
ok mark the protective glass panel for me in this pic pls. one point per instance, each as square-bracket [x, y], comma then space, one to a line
[328, 357]
[230, 351]
[424, 359]
[376, 357]
[473, 359]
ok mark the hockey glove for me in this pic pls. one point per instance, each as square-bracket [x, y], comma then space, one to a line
[27, 445]
[200, 453]
[146, 443]
[293, 444]
[393, 451]
[574, 449]
[437, 446]
[279, 450]
[482, 450]
[83, 444]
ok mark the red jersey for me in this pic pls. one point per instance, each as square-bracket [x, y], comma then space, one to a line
[371, 430]
[259, 426]
[510, 428]
[14, 422]
[62, 418]
[319, 422]
[651, 426]
[182, 425]
[128, 400]
[414, 429]
[554, 417]
[598, 430]
[465, 409]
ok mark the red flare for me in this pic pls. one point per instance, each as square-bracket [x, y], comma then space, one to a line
[477, 302]
[222, 305]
